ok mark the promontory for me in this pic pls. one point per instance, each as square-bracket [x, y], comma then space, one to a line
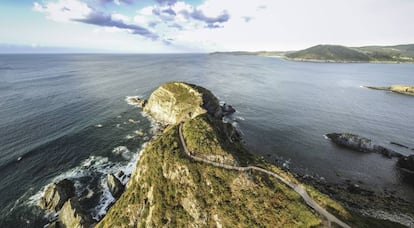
[198, 173]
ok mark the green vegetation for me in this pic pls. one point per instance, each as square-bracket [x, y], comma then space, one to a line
[169, 189]
[329, 53]
[337, 53]
[209, 138]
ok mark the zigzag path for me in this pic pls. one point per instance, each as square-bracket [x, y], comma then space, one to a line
[297, 188]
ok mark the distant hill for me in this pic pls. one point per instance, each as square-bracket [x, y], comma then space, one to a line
[334, 53]
[338, 53]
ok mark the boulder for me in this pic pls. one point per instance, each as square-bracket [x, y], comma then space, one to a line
[406, 162]
[56, 195]
[72, 215]
[115, 186]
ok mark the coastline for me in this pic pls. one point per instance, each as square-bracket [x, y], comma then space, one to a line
[399, 89]
[340, 61]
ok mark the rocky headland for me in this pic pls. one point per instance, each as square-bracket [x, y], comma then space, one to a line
[401, 89]
[198, 173]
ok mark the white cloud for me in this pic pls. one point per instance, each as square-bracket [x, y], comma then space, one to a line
[247, 25]
[120, 17]
[64, 10]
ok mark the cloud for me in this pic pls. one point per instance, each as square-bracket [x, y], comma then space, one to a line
[182, 16]
[102, 19]
[77, 11]
[210, 21]
[117, 2]
[166, 2]
[64, 10]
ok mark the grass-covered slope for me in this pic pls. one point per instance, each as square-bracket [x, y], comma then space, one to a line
[402, 53]
[168, 189]
[329, 53]
[336, 53]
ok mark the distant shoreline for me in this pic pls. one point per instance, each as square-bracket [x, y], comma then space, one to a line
[310, 60]
[340, 54]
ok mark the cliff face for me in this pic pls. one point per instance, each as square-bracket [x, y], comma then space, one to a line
[174, 102]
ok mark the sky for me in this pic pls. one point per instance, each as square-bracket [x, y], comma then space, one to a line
[192, 26]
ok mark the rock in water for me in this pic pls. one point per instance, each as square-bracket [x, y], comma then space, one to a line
[72, 215]
[359, 143]
[137, 101]
[351, 141]
[56, 195]
[407, 162]
[115, 186]
[228, 109]
[174, 102]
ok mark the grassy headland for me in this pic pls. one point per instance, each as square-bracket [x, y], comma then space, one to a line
[169, 189]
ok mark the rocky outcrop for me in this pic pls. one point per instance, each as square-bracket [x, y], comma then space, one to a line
[359, 143]
[403, 89]
[60, 198]
[115, 186]
[406, 163]
[56, 195]
[72, 215]
[174, 102]
[227, 109]
[137, 101]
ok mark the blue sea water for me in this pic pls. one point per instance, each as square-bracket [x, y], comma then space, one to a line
[65, 116]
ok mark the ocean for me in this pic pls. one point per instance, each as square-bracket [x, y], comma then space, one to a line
[67, 116]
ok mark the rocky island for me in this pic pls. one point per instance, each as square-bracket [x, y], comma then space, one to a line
[198, 173]
[362, 144]
[401, 89]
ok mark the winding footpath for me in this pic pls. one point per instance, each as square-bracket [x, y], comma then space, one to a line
[298, 189]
